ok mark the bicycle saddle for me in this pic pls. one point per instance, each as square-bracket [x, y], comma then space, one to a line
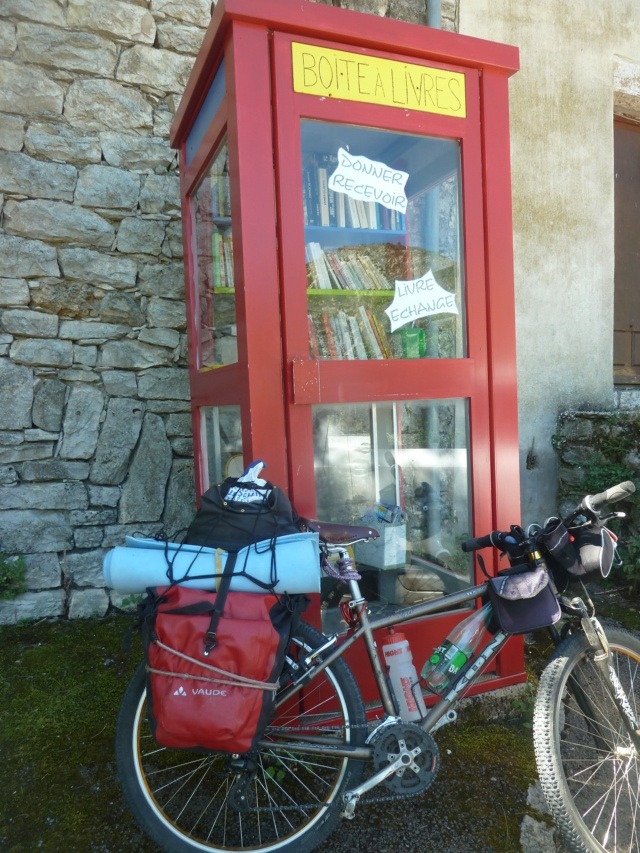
[338, 534]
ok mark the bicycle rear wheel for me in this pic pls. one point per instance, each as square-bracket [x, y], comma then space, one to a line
[183, 799]
[588, 768]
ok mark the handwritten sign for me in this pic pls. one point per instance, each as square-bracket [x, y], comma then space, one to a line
[369, 180]
[372, 80]
[420, 297]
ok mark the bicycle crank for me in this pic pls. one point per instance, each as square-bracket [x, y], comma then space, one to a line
[405, 759]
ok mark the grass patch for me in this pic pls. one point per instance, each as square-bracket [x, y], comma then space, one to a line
[60, 689]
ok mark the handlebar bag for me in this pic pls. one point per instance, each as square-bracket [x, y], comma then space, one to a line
[578, 552]
[220, 698]
[596, 547]
[523, 600]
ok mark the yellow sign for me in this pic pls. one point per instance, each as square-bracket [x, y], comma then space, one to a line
[371, 80]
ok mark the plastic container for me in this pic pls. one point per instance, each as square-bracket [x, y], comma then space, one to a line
[459, 647]
[143, 563]
[403, 677]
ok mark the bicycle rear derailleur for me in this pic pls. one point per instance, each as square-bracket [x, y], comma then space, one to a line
[405, 759]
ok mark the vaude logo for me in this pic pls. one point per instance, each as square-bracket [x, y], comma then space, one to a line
[207, 692]
[200, 691]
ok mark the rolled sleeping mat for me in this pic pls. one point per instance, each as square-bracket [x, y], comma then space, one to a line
[142, 563]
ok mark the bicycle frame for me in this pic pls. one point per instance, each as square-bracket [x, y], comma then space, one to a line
[366, 629]
[333, 649]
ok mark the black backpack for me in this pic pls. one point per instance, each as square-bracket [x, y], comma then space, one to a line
[235, 514]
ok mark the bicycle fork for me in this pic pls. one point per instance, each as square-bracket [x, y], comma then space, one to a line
[604, 661]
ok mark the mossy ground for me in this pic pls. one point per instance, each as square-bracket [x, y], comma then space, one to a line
[61, 684]
[60, 688]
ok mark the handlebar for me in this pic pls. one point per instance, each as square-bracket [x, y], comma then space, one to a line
[590, 504]
[609, 496]
[491, 540]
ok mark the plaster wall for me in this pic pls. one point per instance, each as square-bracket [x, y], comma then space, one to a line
[562, 108]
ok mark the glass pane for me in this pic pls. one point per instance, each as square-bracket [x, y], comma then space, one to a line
[213, 266]
[406, 466]
[383, 244]
[221, 440]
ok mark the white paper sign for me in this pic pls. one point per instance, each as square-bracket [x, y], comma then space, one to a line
[420, 297]
[369, 180]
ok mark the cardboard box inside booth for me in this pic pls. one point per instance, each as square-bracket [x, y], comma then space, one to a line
[387, 552]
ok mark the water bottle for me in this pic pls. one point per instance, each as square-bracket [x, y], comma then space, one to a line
[449, 658]
[403, 677]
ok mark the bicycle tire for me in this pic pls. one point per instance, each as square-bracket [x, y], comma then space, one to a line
[588, 769]
[181, 799]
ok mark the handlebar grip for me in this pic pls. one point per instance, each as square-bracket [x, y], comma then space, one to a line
[610, 496]
[488, 541]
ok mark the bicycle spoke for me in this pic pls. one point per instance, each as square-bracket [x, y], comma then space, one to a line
[195, 798]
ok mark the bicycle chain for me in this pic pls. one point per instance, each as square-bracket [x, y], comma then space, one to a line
[364, 800]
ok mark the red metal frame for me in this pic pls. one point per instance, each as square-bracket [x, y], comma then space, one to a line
[254, 382]
[276, 389]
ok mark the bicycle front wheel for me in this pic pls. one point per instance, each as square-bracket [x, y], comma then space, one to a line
[587, 764]
[185, 801]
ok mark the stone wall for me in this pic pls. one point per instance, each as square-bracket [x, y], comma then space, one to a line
[95, 427]
[95, 424]
[596, 450]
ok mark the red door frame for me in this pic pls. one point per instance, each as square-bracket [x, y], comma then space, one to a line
[240, 30]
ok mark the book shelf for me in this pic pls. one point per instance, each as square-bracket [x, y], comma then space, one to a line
[348, 248]
[216, 277]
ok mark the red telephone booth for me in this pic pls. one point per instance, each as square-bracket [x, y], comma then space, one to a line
[349, 279]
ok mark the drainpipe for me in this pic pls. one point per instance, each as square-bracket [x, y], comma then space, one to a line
[432, 420]
[434, 14]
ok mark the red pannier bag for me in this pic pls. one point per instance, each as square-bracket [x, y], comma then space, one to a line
[213, 697]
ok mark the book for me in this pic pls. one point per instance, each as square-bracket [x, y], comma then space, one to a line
[357, 339]
[376, 331]
[336, 284]
[362, 214]
[381, 334]
[214, 203]
[347, 343]
[371, 214]
[359, 274]
[337, 337]
[341, 219]
[351, 277]
[323, 195]
[328, 334]
[215, 259]
[369, 336]
[314, 345]
[354, 219]
[385, 338]
[310, 178]
[223, 274]
[228, 261]
[305, 200]
[317, 257]
[224, 195]
[312, 275]
[374, 272]
[334, 262]
[333, 215]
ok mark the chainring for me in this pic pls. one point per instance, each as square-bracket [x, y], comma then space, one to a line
[422, 757]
